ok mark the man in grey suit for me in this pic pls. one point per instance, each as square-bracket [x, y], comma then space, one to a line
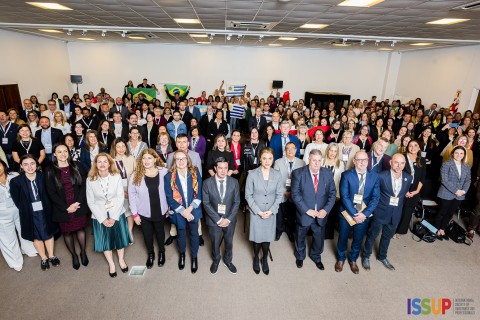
[221, 199]
[314, 194]
[286, 212]
[120, 107]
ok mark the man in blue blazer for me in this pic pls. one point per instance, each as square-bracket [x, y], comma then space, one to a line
[394, 185]
[357, 187]
[313, 192]
[280, 140]
[194, 110]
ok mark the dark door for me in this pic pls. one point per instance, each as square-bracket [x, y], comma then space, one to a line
[10, 97]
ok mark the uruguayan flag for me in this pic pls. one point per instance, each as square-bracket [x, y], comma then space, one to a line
[236, 111]
[235, 90]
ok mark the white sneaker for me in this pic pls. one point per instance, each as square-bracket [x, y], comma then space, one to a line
[18, 268]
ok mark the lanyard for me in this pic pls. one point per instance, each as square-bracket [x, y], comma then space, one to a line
[254, 150]
[7, 127]
[105, 138]
[29, 145]
[88, 125]
[121, 167]
[105, 189]
[34, 189]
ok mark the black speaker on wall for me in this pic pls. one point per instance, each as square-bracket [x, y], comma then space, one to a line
[76, 79]
[277, 84]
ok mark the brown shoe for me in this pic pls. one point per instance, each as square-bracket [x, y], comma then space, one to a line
[339, 266]
[354, 267]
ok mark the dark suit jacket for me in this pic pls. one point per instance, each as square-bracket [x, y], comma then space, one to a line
[252, 123]
[57, 135]
[349, 185]
[126, 131]
[213, 131]
[382, 166]
[305, 197]
[211, 198]
[23, 114]
[187, 116]
[57, 195]
[385, 213]
[419, 176]
[153, 136]
[100, 116]
[203, 124]
[123, 111]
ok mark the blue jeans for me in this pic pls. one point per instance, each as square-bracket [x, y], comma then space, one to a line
[233, 123]
[344, 229]
[388, 230]
[194, 238]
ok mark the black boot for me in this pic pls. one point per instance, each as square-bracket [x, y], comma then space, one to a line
[194, 265]
[150, 260]
[265, 268]
[256, 264]
[181, 261]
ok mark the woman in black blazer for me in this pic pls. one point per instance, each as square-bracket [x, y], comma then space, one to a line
[66, 187]
[216, 126]
[415, 166]
[29, 195]
[105, 134]
[220, 149]
[151, 136]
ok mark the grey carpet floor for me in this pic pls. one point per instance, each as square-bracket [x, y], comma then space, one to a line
[439, 270]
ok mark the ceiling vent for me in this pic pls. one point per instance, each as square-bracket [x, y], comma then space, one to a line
[249, 25]
[475, 5]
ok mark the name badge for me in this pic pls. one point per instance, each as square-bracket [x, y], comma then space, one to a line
[222, 209]
[288, 183]
[4, 140]
[255, 160]
[424, 154]
[237, 162]
[394, 201]
[357, 199]
[302, 151]
[344, 157]
[37, 206]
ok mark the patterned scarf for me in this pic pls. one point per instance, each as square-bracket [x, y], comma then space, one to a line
[176, 193]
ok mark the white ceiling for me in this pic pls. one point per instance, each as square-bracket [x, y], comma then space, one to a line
[391, 18]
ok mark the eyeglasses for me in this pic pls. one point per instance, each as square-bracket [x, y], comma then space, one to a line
[181, 159]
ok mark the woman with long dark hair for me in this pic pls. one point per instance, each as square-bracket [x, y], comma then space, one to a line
[66, 187]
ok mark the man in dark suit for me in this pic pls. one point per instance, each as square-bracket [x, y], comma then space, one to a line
[132, 122]
[378, 161]
[67, 106]
[314, 193]
[103, 114]
[394, 185]
[120, 107]
[28, 107]
[279, 141]
[257, 121]
[357, 187]
[144, 84]
[221, 200]
[49, 137]
[88, 121]
[401, 122]
[193, 109]
[185, 115]
[432, 112]
[118, 124]
[205, 120]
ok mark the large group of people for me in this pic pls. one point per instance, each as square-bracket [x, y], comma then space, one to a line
[293, 166]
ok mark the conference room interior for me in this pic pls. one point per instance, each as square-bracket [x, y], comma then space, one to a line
[391, 49]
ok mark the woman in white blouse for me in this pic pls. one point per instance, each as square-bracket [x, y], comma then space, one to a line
[105, 198]
[61, 123]
[10, 224]
[135, 144]
[317, 143]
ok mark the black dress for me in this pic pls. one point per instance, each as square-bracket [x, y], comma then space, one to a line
[155, 208]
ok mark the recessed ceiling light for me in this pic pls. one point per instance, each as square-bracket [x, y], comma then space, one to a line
[287, 38]
[385, 49]
[274, 44]
[421, 44]
[86, 39]
[196, 35]
[447, 21]
[204, 42]
[187, 20]
[49, 5]
[313, 26]
[50, 30]
[342, 44]
[359, 3]
[136, 38]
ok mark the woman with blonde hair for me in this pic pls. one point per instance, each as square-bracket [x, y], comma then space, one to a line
[105, 198]
[13, 116]
[61, 123]
[462, 141]
[164, 146]
[149, 203]
[303, 138]
[183, 189]
[347, 150]
[126, 165]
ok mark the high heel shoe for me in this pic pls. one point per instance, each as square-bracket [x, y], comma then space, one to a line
[84, 259]
[265, 267]
[150, 260]
[112, 274]
[124, 270]
[256, 265]
[75, 262]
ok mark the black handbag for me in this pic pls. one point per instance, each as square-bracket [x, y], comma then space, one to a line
[457, 233]
[422, 233]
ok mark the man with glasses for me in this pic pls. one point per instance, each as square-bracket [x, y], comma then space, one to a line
[280, 140]
[28, 107]
[182, 144]
[359, 194]
[8, 135]
[52, 108]
[286, 211]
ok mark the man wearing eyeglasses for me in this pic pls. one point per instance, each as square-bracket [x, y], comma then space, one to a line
[359, 194]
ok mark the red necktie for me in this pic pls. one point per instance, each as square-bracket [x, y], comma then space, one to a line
[315, 182]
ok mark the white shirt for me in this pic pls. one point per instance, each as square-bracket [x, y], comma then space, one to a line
[183, 181]
[459, 169]
[222, 196]
[396, 183]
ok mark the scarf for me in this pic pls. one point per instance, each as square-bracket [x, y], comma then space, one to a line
[176, 193]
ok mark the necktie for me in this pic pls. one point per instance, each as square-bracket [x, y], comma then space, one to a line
[315, 182]
[222, 190]
[361, 189]
[291, 165]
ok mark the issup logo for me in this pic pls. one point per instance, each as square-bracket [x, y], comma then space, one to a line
[426, 306]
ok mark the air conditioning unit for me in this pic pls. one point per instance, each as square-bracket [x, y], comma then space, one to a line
[250, 25]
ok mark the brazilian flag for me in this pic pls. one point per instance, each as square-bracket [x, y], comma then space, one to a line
[148, 93]
[172, 89]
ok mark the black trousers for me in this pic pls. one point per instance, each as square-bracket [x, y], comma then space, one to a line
[216, 234]
[286, 218]
[446, 209]
[149, 228]
[405, 220]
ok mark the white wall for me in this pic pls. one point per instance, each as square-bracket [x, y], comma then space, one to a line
[204, 67]
[38, 65]
[435, 75]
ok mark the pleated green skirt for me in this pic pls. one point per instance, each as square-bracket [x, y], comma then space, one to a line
[113, 238]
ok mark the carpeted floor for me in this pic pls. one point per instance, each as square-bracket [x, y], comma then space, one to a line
[439, 270]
